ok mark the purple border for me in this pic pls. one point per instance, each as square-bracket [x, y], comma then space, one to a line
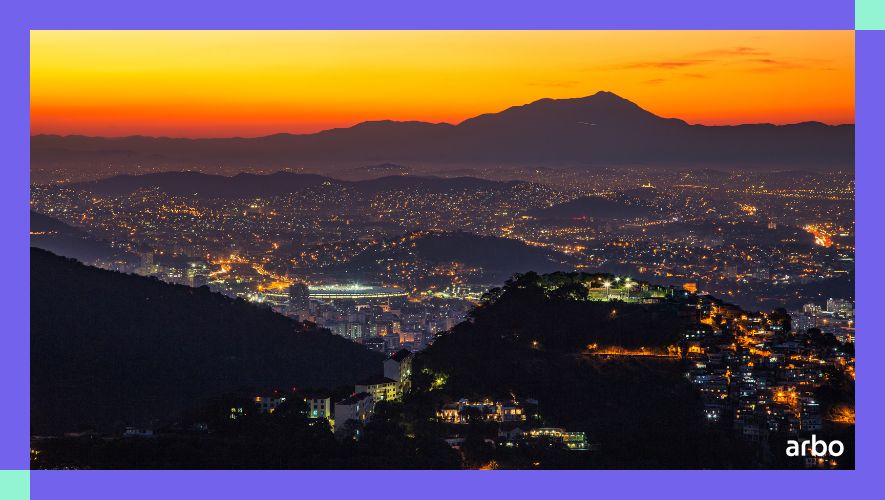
[441, 485]
[870, 181]
[454, 14]
[450, 14]
[15, 200]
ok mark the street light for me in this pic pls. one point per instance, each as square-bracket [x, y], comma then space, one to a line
[607, 285]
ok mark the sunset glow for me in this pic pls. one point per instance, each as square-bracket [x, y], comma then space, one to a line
[245, 83]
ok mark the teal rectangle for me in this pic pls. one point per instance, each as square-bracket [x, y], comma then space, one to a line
[15, 484]
[869, 14]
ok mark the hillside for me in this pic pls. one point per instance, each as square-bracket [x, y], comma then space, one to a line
[591, 207]
[498, 258]
[525, 341]
[110, 348]
[521, 313]
[62, 239]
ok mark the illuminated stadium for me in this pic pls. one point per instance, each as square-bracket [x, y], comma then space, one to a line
[355, 291]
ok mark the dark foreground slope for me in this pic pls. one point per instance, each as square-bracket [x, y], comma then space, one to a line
[109, 348]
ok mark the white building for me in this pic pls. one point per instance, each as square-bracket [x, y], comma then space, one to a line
[398, 367]
[319, 407]
[358, 407]
[381, 388]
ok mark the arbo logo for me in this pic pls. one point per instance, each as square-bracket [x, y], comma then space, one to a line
[816, 448]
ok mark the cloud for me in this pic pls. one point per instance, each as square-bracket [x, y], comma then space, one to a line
[773, 62]
[734, 52]
[655, 81]
[740, 58]
[768, 65]
[665, 64]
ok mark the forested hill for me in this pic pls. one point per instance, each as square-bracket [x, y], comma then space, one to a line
[497, 258]
[109, 348]
[526, 340]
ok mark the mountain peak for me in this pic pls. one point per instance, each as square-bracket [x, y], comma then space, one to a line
[606, 98]
[608, 94]
[603, 107]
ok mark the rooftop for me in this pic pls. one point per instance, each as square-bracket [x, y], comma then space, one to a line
[400, 355]
[354, 398]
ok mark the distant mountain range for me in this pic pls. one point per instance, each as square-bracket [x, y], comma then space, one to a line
[252, 185]
[599, 129]
[109, 348]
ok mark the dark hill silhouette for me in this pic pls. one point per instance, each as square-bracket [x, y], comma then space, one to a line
[498, 258]
[591, 207]
[246, 185]
[521, 313]
[494, 254]
[600, 128]
[109, 348]
[62, 239]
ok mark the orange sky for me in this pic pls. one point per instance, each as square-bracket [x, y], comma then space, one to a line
[250, 83]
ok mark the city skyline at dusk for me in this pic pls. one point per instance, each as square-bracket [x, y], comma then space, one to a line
[224, 84]
[442, 250]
